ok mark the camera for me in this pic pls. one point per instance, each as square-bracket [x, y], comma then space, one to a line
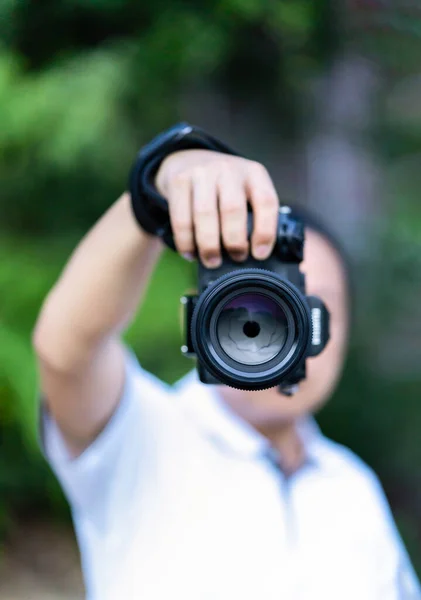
[251, 325]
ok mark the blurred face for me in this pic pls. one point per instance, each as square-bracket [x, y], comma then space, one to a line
[325, 278]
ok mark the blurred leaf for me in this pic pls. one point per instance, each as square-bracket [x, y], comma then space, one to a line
[17, 370]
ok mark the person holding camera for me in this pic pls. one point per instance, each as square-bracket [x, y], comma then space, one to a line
[221, 486]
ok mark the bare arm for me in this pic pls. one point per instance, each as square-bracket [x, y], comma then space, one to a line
[77, 335]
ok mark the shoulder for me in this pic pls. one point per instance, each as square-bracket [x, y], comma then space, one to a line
[151, 408]
[342, 460]
[358, 485]
[366, 518]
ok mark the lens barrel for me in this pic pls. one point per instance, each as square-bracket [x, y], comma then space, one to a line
[251, 328]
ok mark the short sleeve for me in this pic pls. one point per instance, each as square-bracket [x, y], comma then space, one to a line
[106, 474]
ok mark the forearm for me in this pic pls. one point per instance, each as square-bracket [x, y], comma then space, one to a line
[81, 362]
[99, 289]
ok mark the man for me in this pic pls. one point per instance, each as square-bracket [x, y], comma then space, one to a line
[203, 492]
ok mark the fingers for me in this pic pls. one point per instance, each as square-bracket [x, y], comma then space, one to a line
[206, 217]
[233, 214]
[180, 209]
[264, 201]
[208, 204]
[193, 209]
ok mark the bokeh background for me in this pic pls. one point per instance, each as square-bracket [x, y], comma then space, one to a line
[326, 94]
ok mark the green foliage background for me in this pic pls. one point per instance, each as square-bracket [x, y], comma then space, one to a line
[82, 85]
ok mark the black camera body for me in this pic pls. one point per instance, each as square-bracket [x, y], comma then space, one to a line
[251, 325]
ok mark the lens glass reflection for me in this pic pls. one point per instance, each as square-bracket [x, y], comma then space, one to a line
[252, 328]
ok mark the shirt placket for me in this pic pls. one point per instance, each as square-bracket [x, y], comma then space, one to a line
[285, 486]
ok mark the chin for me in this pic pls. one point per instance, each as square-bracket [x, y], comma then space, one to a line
[265, 408]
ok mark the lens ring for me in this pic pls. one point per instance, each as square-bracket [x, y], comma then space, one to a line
[211, 354]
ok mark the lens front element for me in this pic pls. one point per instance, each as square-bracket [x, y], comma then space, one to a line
[252, 328]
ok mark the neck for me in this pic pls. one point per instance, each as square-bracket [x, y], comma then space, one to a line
[282, 435]
[286, 440]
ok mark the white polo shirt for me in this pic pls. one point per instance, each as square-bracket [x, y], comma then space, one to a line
[178, 498]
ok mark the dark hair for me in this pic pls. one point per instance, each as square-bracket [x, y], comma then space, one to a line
[312, 221]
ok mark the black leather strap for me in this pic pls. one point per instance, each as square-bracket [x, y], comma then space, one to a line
[149, 207]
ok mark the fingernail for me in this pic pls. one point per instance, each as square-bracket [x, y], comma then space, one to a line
[262, 251]
[188, 256]
[239, 256]
[213, 262]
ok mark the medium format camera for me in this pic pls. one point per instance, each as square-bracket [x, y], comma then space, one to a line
[251, 325]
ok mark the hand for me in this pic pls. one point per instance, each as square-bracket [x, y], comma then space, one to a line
[207, 194]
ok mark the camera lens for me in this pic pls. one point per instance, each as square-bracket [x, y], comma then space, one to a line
[252, 328]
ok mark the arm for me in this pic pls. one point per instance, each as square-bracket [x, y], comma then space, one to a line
[76, 337]
[77, 334]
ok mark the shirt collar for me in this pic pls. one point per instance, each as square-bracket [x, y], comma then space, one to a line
[232, 433]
